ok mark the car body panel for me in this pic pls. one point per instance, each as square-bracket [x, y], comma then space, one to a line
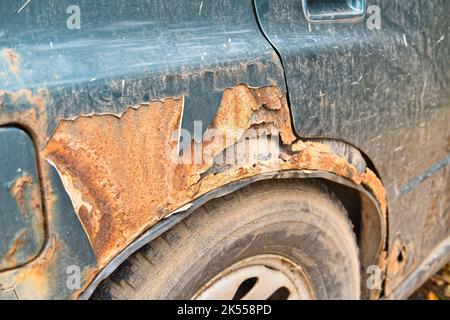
[102, 102]
[22, 219]
[125, 54]
[386, 91]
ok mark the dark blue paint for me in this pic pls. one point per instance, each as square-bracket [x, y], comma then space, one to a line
[21, 224]
[415, 182]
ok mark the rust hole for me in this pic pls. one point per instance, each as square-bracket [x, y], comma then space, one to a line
[401, 255]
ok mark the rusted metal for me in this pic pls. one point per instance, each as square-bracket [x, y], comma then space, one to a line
[122, 176]
[31, 114]
[28, 198]
[58, 239]
[21, 203]
[117, 170]
[333, 97]
[400, 121]
[38, 274]
[13, 59]
[370, 180]
[9, 259]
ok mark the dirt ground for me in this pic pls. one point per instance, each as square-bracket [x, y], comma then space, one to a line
[437, 288]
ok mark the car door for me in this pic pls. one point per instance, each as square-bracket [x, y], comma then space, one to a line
[376, 75]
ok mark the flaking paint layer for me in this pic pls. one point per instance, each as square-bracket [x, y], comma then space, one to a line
[122, 174]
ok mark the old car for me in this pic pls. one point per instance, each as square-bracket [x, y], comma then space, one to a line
[223, 149]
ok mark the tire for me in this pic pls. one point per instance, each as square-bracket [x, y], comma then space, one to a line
[301, 221]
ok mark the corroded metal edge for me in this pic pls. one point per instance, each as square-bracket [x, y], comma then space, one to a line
[178, 216]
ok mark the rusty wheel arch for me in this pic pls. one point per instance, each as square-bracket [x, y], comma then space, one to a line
[85, 157]
[371, 233]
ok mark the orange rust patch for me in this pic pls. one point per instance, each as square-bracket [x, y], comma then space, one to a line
[33, 117]
[18, 190]
[36, 274]
[371, 181]
[395, 262]
[9, 259]
[122, 178]
[13, 59]
[117, 171]
[27, 196]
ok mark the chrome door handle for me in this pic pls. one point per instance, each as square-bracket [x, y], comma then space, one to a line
[333, 10]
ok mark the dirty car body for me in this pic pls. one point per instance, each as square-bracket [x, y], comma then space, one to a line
[88, 112]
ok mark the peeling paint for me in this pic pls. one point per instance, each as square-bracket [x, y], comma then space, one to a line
[27, 108]
[117, 170]
[122, 178]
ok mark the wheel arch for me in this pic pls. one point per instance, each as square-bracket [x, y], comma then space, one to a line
[366, 216]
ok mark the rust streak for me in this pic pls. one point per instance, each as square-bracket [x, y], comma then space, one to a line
[9, 259]
[27, 197]
[13, 59]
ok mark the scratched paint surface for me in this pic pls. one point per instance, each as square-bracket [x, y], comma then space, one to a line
[386, 91]
[129, 58]
[21, 213]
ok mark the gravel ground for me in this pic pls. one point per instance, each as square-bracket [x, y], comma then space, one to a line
[437, 288]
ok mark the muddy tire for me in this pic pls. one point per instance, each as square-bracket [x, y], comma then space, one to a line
[302, 222]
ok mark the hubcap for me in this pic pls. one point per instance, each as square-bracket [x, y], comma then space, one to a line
[260, 277]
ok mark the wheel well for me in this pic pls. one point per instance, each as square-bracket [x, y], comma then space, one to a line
[360, 204]
[351, 201]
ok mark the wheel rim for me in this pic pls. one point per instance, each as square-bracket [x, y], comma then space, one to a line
[259, 277]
